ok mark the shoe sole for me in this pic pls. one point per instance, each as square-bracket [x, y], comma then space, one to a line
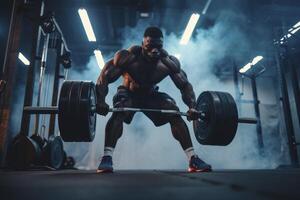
[192, 170]
[104, 171]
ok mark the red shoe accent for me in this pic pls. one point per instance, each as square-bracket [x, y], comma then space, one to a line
[193, 170]
[104, 171]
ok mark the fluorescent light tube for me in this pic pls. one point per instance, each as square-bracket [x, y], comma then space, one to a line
[87, 24]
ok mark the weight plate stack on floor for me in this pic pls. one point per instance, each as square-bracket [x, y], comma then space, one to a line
[53, 153]
[24, 152]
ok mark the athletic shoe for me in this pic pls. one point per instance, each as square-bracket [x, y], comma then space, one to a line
[198, 165]
[106, 165]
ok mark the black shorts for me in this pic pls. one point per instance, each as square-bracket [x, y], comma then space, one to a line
[152, 99]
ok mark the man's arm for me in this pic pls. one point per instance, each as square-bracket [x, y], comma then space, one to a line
[112, 70]
[185, 87]
[180, 79]
[110, 73]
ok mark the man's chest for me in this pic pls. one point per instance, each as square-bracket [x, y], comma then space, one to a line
[147, 73]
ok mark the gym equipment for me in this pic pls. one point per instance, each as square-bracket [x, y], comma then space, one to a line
[217, 123]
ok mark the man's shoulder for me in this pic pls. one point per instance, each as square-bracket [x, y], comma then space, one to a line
[170, 61]
[125, 56]
[135, 49]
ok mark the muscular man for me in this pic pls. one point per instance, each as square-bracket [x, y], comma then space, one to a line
[142, 68]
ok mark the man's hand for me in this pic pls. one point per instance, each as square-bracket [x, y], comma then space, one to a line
[193, 114]
[102, 108]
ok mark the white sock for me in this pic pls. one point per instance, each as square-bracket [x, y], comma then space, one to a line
[189, 152]
[108, 151]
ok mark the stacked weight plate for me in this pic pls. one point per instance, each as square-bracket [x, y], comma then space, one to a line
[220, 125]
[76, 117]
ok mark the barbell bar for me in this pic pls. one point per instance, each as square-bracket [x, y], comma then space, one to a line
[202, 115]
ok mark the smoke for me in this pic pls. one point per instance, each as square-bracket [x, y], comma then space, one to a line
[144, 146]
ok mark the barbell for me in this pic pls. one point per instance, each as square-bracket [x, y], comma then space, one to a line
[216, 125]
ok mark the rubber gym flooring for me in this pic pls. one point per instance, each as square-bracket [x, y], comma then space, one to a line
[156, 184]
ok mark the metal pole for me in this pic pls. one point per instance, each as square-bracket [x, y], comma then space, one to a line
[236, 86]
[9, 69]
[37, 11]
[59, 52]
[257, 115]
[41, 80]
[286, 109]
[296, 91]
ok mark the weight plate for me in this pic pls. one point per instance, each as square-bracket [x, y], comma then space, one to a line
[77, 122]
[24, 152]
[220, 126]
[87, 115]
[53, 152]
[230, 119]
[74, 110]
[64, 113]
[205, 130]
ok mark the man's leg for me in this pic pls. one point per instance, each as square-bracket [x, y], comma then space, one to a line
[179, 128]
[181, 133]
[114, 128]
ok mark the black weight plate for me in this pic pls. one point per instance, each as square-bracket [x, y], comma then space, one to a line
[229, 119]
[234, 114]
[206, 131]
[24, 152]
[53, 152]
[64, 114]
[74, 109]
[38, 139]
[87, 116]
[56, 152]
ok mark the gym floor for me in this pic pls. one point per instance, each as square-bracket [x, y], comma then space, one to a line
[157, 184]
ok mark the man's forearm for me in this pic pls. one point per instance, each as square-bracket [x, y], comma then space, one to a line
[101, 90]
[188, 96]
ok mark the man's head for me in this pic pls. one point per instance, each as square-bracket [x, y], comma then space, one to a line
[152, 43]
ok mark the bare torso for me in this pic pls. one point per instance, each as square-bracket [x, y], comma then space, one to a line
[142, 75]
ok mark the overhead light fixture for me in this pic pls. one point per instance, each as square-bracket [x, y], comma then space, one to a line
[245, 68]
[24, 60]
[189, 28]
[256, 60]
[99, 58]
[291, 32]
[249, 65]
[87, 24]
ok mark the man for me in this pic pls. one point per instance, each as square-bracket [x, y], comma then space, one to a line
[142, 67]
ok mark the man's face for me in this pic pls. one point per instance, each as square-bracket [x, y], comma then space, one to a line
[152, 48]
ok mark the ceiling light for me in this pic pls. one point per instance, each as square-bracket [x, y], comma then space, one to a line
[189, 28]
[87, 24]
[24, 60]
